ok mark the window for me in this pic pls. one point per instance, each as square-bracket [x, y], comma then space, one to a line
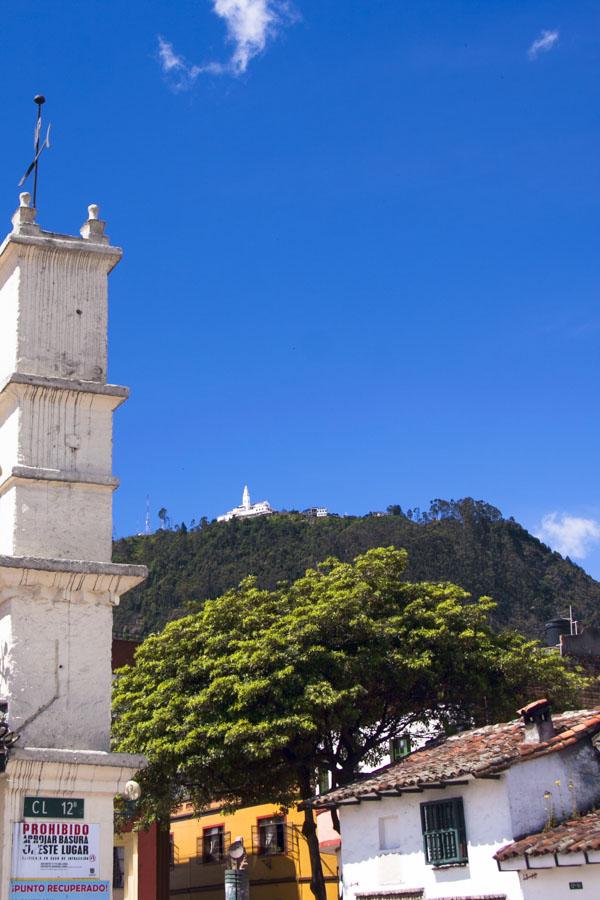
[389, 833]
[444, 836]
[399, 747]
[118, 867]
[211, 846]
[271, 835]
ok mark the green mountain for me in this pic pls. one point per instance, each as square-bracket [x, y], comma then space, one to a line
[467, 542]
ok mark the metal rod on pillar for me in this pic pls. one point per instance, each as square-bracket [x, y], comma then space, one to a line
[39, 99]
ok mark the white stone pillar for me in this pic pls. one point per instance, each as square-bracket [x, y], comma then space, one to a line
[58, 585]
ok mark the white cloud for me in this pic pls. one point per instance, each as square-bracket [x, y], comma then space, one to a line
[570, 535]
[546, 41]
[250, 25]
[181, 74]
[168, 58]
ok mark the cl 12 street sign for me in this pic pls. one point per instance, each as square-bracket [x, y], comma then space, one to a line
[52, 808]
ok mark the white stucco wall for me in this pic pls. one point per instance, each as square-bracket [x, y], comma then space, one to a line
[553, 883]
[8, 515]
[9, 436]
[37, 776]
[9, 294]
[56, 520]
[53, 324]
[55, 665]
[570, 778]
[58, 429]
[382, 844]
[62, 324]
[56, 507]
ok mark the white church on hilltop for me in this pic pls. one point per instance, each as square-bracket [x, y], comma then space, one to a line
[247, 510]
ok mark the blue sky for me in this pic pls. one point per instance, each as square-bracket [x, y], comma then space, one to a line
[361, 245]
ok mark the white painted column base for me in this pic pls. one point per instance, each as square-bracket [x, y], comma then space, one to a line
[38, 772]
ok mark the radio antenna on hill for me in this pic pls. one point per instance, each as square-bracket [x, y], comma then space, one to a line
[147, 524]
[39, 100]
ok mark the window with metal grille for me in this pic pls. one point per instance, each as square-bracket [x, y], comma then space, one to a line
[444, 835]
[399, 747]
[211, 847]
[271, 835]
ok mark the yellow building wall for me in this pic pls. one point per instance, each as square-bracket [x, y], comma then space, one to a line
[274, 877]
[129, 891]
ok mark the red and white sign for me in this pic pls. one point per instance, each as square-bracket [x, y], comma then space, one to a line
[55, 849]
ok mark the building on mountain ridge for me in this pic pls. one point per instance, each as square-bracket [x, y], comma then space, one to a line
[247, 510]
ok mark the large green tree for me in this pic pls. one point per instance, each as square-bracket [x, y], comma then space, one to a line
[245, 700]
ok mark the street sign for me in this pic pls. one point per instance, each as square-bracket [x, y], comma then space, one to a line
[52, 808]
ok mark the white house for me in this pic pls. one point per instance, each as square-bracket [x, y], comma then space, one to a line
[247, 510]
[474, 816]
[557, 860]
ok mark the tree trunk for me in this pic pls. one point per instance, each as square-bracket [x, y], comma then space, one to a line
[309, 830]
[344, 775]
[335, 820]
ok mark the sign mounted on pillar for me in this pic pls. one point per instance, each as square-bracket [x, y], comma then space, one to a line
[55, 850]
[52, 808]
[48, 890]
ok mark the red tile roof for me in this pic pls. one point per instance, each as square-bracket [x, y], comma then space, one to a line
[481, 752]
[574, 836]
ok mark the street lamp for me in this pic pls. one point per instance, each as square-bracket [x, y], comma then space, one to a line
[237, 885]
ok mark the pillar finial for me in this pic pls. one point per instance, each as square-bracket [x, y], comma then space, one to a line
[93, 228]
[23, 220]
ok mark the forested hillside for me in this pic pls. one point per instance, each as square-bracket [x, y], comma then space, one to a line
[467, 542]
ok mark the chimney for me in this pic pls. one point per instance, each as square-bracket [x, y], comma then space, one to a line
[537, 717]
[555, 628]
